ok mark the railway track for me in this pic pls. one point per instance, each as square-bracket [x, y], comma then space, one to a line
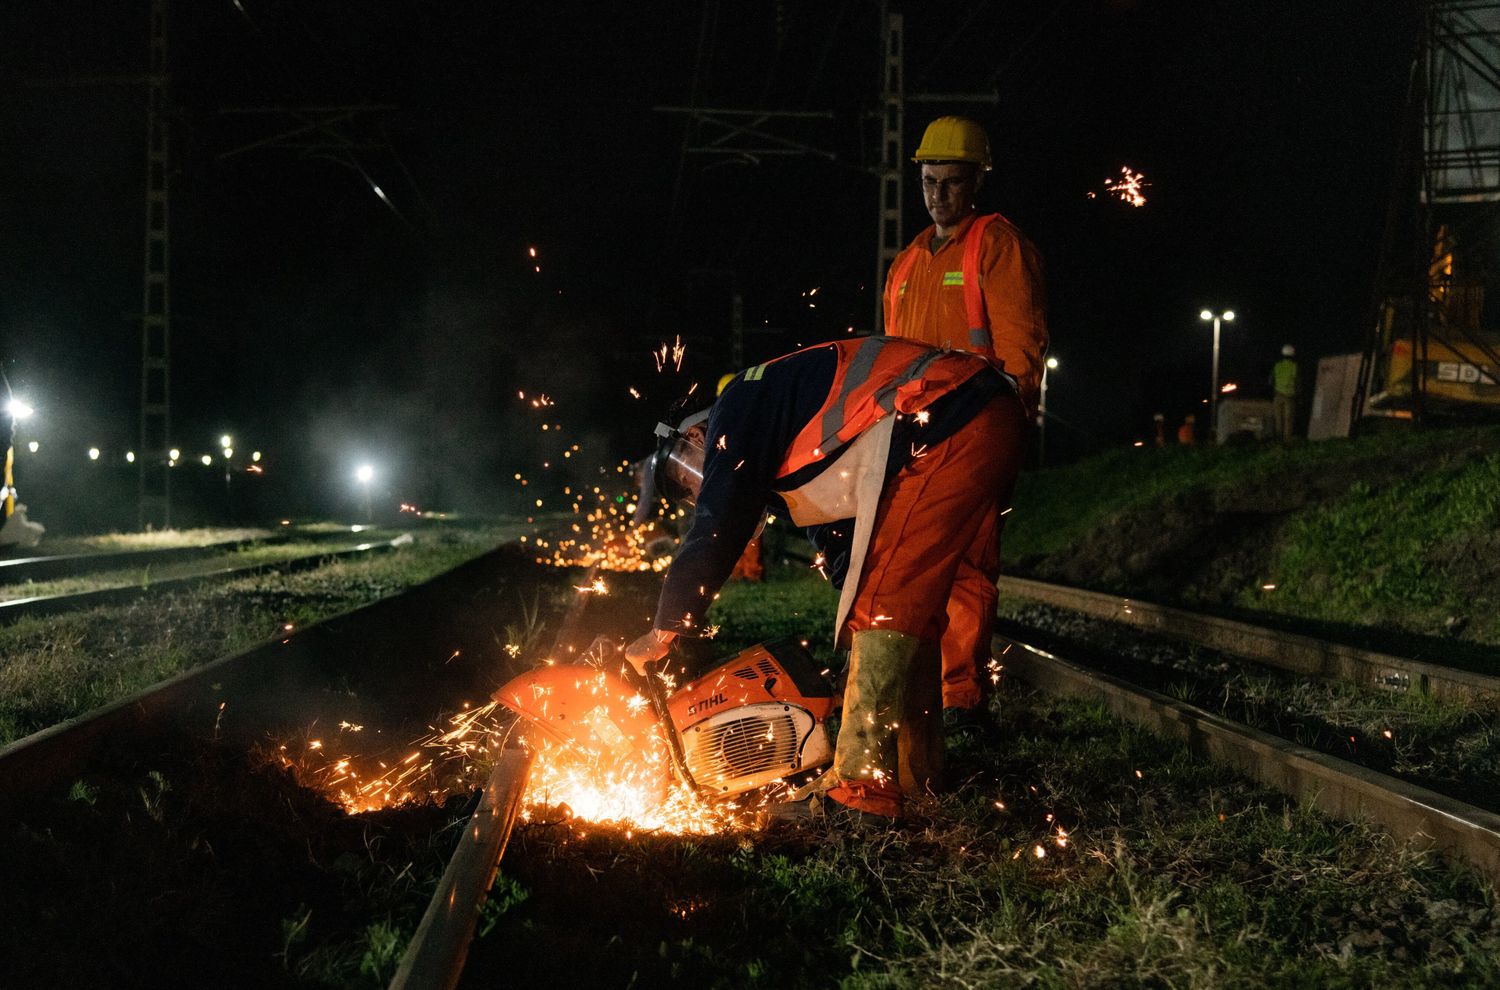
[1288, 651]
[256, 683]
[54, 566]
[41, 605]
[1341, 788]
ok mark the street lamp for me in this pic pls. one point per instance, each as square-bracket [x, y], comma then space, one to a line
[1041, 413]
[1213, 392]
[365, 474]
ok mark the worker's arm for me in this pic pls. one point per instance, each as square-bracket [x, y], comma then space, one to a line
[1016, 300]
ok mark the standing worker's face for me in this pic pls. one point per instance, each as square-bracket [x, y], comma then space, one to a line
[949, 191]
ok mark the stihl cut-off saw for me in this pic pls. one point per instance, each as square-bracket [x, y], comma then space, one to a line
[746, 722]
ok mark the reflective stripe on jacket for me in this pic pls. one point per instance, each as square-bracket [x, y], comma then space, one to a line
[980, 340]
[874, 377]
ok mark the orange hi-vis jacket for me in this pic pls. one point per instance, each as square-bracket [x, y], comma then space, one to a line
[982, 292]
[874, 377]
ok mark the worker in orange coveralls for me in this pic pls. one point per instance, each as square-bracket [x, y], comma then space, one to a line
[970, 282]
[894, 454]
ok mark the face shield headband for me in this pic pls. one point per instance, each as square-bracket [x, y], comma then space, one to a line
[677, 465]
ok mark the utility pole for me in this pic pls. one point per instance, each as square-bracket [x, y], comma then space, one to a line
[889, 234]
[154, 487]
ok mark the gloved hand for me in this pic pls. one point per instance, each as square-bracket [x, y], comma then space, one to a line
[650, 647]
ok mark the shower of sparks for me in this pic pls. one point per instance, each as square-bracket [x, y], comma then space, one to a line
[1129, 188]
[664, 355]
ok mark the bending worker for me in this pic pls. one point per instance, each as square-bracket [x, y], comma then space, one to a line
[970, 282]
[906, 440]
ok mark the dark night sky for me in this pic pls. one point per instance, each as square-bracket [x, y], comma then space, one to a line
[311, 319]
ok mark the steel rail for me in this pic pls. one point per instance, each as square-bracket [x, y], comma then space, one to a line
[73, 564]
[41, 605]
[435, 956]
[438, 949]
[1288, 651]
[1337, 787]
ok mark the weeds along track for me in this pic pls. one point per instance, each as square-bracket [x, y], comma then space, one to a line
[216, 797]
[117, 593]
[1285, 732]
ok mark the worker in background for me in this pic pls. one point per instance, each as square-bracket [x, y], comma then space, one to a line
[970, 282]
[894, 455]
[1284, 392]
[1185, 432]
[1159, 422]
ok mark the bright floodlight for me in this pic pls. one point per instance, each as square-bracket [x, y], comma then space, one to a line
[228, 453]
[1205, 315]
[207, 461]
[18, 409]
[93, 453]
[255, 456]
[1229, 316]
[174, 454]
[1052, 364]
[33, 446]
[365, 474]
[129, 457]
[226, 441]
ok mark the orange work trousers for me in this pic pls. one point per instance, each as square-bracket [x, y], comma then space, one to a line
[934, 553]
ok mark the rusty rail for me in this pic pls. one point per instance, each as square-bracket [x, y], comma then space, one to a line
[1288, 651]
[1337, 787]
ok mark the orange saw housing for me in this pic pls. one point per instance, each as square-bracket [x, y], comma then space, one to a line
[746, 722]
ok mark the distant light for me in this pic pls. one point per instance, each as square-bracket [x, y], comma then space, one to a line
[358, 529]
[365, 474]
[228, 453]
[18, 409]
[255, 456]
[1139, 443]
[33, 446]
[174, 454]
[1228, 387]
[207, 461]
[130, 457]
[1052, 364]
[93, 453]
[1205, 315]
[1229, 316]
[226, 441]
[531, 251]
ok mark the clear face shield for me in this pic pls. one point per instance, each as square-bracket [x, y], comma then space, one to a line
[677, 466]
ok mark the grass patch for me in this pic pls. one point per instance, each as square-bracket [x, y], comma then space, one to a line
[1400, 529]
[55, 668]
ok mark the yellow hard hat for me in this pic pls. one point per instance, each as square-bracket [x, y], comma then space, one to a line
[724, 381]
[954, 139]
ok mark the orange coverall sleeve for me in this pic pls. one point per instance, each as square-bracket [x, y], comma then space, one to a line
[1015, 297]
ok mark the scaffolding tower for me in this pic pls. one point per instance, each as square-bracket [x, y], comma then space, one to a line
[1435, 344]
